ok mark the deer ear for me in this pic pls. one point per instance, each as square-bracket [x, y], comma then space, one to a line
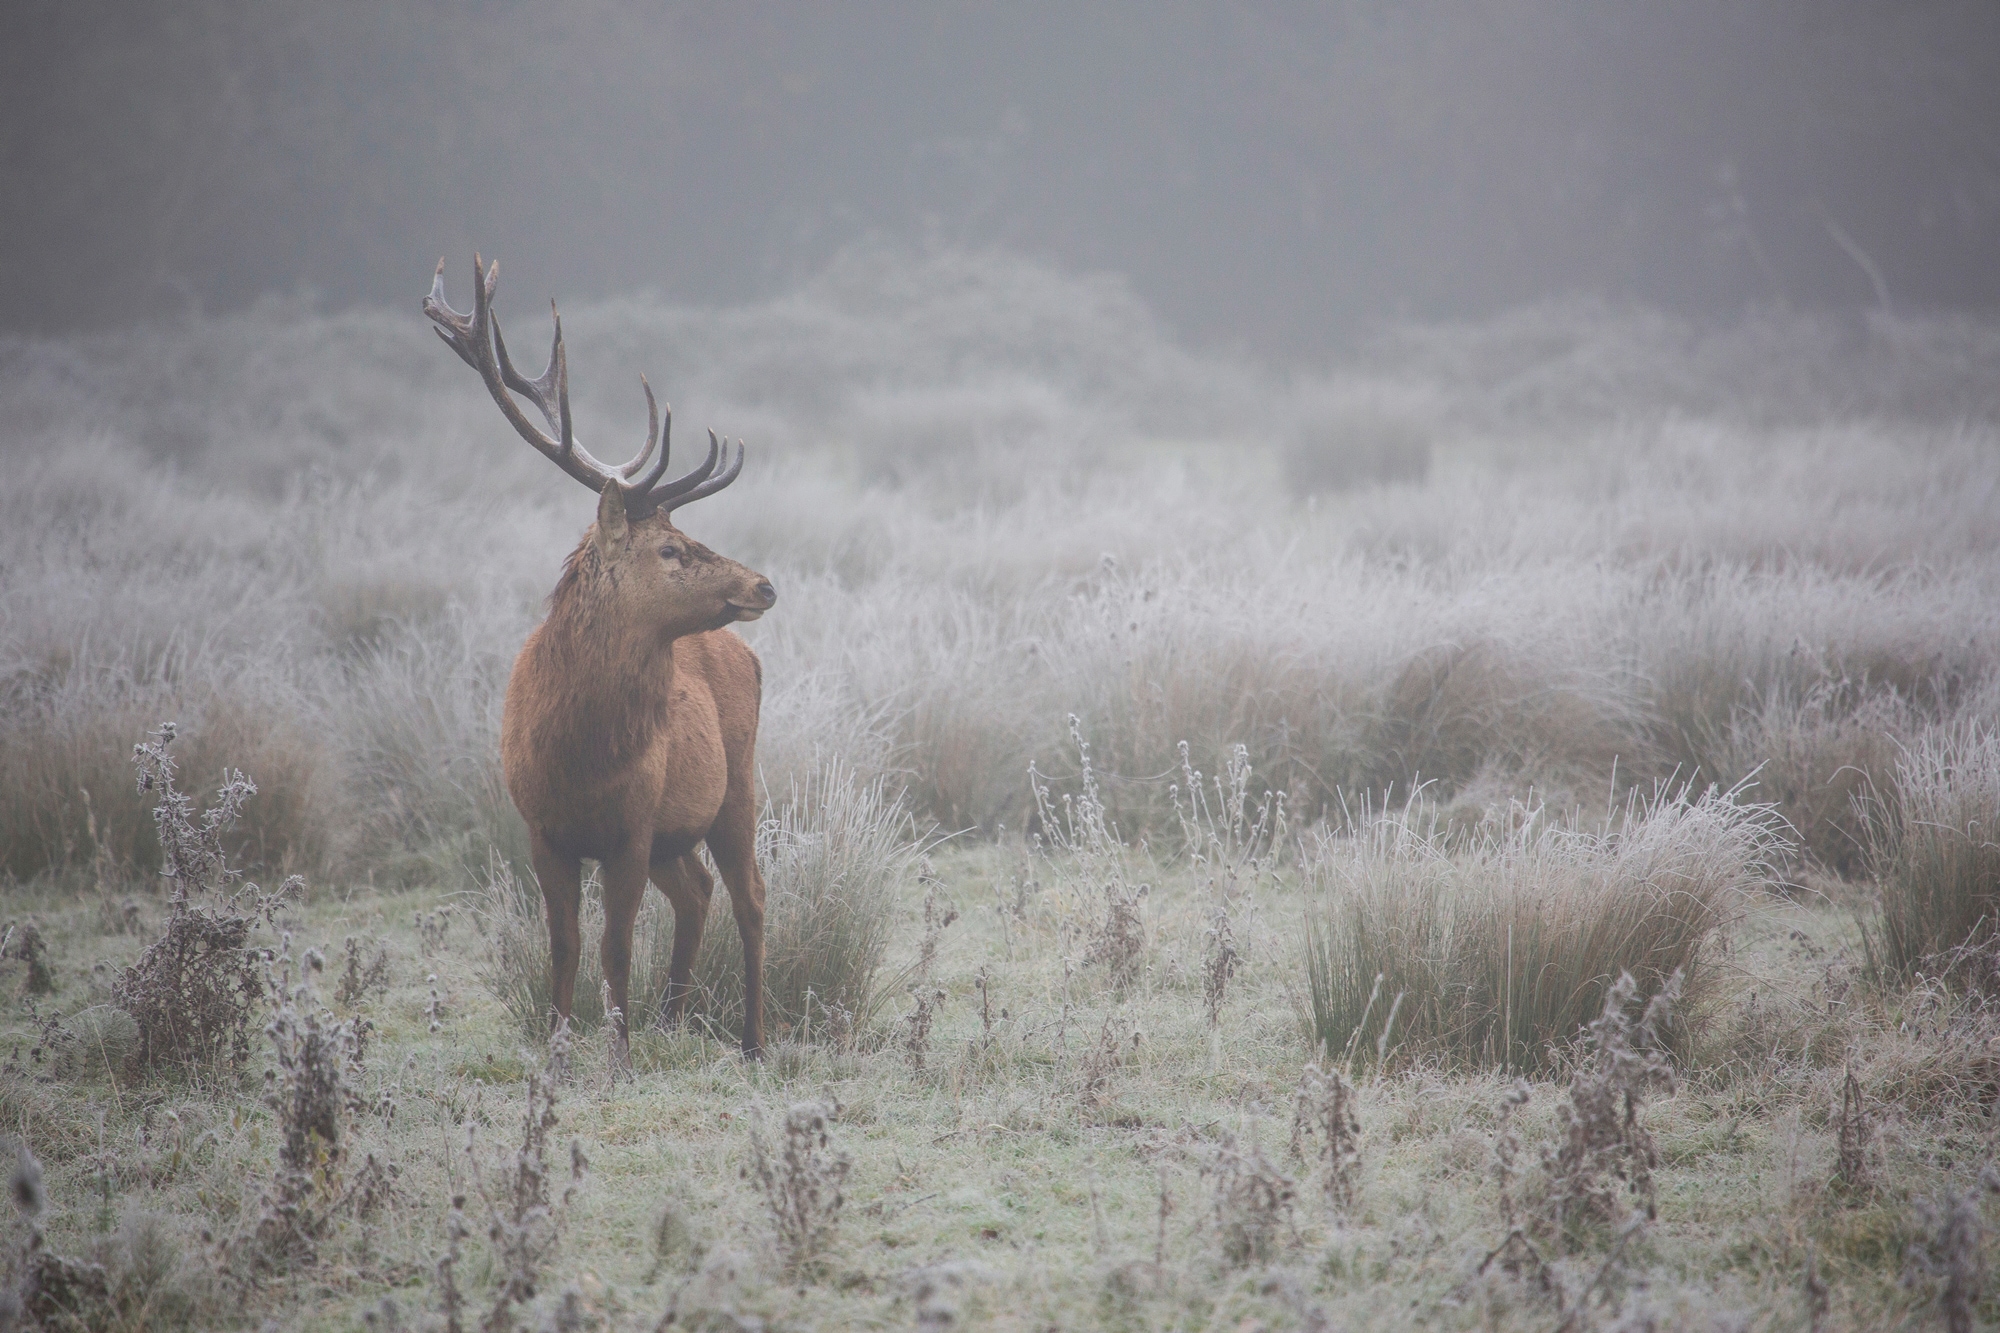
[612, 531]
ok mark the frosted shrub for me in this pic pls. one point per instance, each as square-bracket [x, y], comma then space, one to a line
[196, 990]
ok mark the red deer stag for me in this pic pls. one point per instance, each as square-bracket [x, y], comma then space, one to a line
[630, 726]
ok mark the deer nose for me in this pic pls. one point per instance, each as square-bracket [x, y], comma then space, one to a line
[766, 592]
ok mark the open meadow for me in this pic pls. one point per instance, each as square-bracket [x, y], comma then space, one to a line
[1209, 811]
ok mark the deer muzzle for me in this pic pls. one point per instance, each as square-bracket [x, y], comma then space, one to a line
[762, 598]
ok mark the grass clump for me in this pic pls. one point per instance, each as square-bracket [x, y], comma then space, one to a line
[833, 853]
[1935, 844]
[1501, 947]
[1815, 754]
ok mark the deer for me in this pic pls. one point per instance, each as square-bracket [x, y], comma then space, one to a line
[629, 731]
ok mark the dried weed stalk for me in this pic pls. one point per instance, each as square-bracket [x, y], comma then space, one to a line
[1602, 1151]
[195, 990]
[801, 1181]
[917, 1023]
[24, 1187]
[1083, 849]
[984, 985]
[1228, 839]
[1516, 1254]
[1323, 1109]
[451, 1301]
[929, 998]
[1251, 1202]
[434, 1006]
[524, 1225]
[54, 1040]
[1853, 1132]
[1119, 943]
[432, 928]
[191, 850]
[357, 981]
[1219, 963]
[1229, 835]
[314, 1090]
[42, 1287]
[1100, 1063]
[1818, 1297]
[937, 916]
[1507, 1152]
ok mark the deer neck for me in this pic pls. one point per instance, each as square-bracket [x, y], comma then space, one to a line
[614, 684]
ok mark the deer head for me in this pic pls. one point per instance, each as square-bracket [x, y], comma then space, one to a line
[675, 583]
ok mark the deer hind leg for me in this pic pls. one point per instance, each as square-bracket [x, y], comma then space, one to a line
[624, 891]
[561, 879]
[733, 843]
[688, 887]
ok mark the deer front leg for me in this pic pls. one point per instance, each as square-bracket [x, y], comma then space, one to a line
[624, 890]
[562, 899]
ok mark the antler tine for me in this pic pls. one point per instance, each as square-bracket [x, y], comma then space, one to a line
[669, 493]
[448, 324]
[550, 390]
[653, 438]
[713, 484]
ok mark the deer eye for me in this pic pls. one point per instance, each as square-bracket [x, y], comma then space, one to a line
[670, 552]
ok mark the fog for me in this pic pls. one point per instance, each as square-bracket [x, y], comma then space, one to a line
[1515, 398]
[1475, 506]
[1280, 178]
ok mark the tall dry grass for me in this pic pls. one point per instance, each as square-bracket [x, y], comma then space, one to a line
[992, 496]
[1936, 854]
[1493, 947]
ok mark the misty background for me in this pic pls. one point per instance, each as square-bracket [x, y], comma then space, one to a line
[1272, 177]
[1513, 402]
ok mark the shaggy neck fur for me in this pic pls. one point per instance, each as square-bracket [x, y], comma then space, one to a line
[611, 677]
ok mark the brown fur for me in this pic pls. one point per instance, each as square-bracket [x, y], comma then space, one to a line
[629, 738]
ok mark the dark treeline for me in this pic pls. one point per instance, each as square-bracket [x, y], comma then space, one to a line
[1277, 175]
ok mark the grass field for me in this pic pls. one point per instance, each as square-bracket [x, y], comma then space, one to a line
[1505, 657]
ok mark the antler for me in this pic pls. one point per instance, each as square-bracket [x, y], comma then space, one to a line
[477, 340]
